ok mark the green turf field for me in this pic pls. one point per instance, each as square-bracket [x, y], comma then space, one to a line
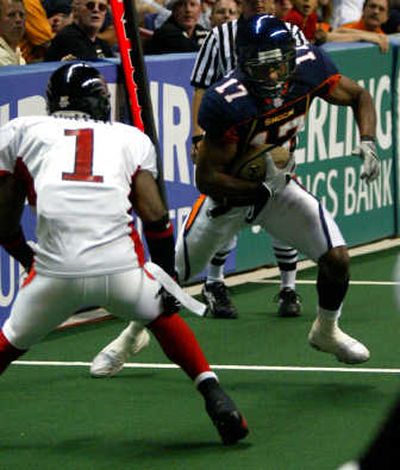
[57, 417]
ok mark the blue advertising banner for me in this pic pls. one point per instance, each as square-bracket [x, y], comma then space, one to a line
[324, 162]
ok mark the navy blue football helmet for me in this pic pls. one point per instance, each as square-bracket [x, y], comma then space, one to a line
[266, 55]
[78, 87]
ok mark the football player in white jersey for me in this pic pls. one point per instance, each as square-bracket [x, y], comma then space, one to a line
[84, 174]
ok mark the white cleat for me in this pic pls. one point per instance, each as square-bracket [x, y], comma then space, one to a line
[111, 359]
[334, 341]
[350, 466]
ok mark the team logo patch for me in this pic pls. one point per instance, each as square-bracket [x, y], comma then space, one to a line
[64, 101]
[277, 102]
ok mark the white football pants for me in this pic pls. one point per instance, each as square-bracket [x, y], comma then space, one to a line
[295, 217]
[45, 302]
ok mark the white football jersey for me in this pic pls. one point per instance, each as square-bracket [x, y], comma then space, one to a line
[80, 173]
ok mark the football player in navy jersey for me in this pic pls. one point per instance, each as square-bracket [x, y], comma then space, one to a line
[265, 101]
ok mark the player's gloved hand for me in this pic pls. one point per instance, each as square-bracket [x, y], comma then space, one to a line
[276, 179]
[169, 302]
[275, 182]
[367, 152]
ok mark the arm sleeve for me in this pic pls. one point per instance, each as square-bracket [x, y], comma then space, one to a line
[297, 34]
[217, 56]
[205, 70]
[214, 117]
[329, 70]
[8, 147]
[140, 153]
[149, 158]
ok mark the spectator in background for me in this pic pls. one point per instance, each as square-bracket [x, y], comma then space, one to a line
[12, 28]
[344, 11]
[59, 14]
[152, 13]
[304, 15]
[80, 40]
[282, 8]
[181, 32]
[374, 14]
[223, 11]
[38, 34]
[368, 27]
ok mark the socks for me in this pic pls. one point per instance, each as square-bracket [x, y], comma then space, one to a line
[331, 291]
[8, 353]
[215, 273]
[331, 315]
[180, 345]
[288, 279]
[216, 266]
[131, 331]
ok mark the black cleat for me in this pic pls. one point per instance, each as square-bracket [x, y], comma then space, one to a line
[216, 297]
[289, 303]
[230, 424]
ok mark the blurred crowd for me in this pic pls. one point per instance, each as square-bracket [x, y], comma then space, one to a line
[53, 30]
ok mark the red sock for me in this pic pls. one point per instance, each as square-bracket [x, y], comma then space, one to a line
[8, 353]
[179, 344]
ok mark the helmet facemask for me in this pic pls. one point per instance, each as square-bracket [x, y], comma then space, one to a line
[266, 55]
[267, 72]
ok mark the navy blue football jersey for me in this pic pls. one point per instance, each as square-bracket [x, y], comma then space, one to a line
[229, 111]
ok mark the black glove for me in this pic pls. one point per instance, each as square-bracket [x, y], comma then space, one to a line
[255, 209]
[169, 303]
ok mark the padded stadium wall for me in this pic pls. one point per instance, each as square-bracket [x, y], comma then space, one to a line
[325, 165]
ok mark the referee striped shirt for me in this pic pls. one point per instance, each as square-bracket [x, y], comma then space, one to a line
[217, 54]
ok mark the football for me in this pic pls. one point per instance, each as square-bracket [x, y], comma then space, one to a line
[251, 165]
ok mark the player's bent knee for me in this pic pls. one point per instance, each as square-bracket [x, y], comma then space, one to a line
[335, 263]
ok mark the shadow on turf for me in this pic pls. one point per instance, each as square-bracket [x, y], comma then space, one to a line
[126, 449]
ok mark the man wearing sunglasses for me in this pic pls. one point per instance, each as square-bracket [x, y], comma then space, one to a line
[80, 40]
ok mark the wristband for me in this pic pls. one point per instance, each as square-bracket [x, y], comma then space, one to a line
[367, 138]
[160, 242]
[196, 139]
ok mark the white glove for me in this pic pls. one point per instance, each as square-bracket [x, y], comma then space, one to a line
[367, 152]
[276, 179]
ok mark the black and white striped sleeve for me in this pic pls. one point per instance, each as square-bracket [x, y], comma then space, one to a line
[297, 34]
[216, 57]
[206, 62]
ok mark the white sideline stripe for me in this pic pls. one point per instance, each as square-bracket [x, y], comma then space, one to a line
[265, 273]
[139, 365]
[310, 281]
[258, 275]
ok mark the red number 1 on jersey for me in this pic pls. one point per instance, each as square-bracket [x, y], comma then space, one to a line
[83, 170]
